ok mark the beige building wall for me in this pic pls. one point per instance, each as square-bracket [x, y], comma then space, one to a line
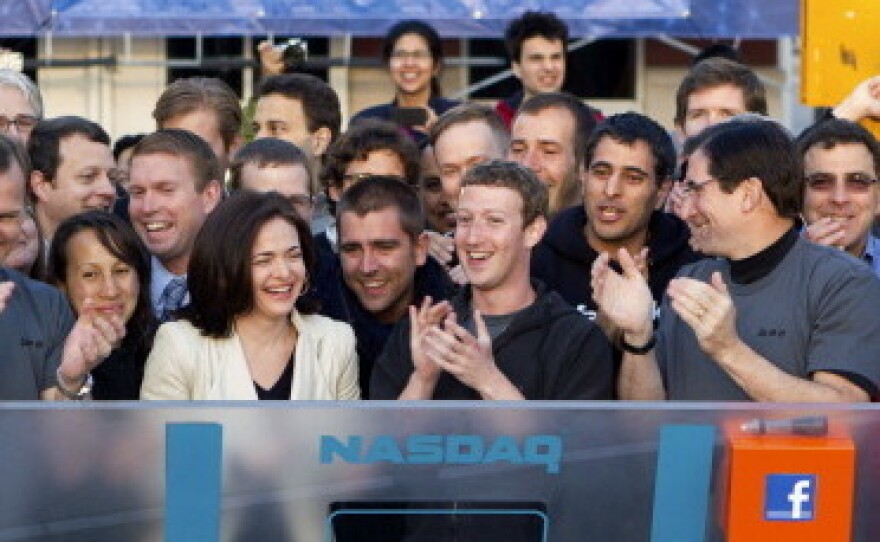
[121, 98]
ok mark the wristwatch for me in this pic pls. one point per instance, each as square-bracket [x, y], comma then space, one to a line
[78, 395]
[638, 350]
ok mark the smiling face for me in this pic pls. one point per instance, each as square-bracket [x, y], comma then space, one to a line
[167, 210]
[277, 269]
[412, 66]
[620, 193]
[12, 212]
[94, 273]
[541, 65]
[81, 182]
[379, 261]
[841, 185]
[493, 243]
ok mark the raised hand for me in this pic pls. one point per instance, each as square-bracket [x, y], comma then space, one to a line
[708, 309]
[624, 298]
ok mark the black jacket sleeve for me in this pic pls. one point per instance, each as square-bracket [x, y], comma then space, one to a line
[393, 366]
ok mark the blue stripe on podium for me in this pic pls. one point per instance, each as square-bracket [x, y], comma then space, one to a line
[193, 481]
[681, 490]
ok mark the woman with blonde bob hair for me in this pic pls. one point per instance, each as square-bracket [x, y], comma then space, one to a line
[247, 332]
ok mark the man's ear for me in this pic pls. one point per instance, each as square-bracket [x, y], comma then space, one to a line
[752, 194]
[39, 185]
[321, 140]
[422, 244]
[535, 231]
[211, 195]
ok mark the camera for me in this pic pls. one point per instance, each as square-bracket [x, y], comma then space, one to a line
[294, 53]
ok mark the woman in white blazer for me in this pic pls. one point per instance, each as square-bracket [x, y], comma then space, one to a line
[246, 333]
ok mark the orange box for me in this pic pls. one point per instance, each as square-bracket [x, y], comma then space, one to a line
[783, 488]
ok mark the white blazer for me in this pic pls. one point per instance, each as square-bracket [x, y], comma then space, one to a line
[185, 365]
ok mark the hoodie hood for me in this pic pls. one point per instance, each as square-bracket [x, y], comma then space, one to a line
[667, 237]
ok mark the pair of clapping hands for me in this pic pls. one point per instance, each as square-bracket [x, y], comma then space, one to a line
[625, 300]
[438, 343]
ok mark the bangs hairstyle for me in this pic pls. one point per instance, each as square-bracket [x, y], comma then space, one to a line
[268, 152]
[319, 102]
[832, 132]
[627, 128]
[530, 24]
[187, 145]
[120, 240]
[367, 136]
[503, 174]
[185, 96]
[377, 193]
[743, 149]
[219, 275]
[715, 72]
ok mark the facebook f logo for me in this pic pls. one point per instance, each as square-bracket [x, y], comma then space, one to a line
[790, 497]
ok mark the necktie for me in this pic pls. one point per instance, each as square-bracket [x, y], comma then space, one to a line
[172, 298]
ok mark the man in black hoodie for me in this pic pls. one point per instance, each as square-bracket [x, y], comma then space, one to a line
[505, 336]
[628, 166]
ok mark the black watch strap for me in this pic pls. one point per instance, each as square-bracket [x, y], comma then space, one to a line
[638, 350]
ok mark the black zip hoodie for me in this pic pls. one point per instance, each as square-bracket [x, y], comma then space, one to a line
[548, 352]
[563, 259]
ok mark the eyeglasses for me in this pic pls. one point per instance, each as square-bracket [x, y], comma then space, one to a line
[689, 187]
[400, 55]
[22, 123]
[855, 183]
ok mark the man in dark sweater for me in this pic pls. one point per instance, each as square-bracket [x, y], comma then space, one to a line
[383, 266]
[628, 162]
[505, 336]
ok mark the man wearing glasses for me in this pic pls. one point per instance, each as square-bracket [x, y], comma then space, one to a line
[841, 194]
[21, 105]
[773, 317]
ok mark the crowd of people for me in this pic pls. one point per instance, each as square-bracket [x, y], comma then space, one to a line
[537, 249]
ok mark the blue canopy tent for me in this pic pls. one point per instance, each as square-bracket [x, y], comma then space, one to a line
[453, 18]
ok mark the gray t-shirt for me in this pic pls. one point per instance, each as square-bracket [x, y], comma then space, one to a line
[818, 310]
[33, 328]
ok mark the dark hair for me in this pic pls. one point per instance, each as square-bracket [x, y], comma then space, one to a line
[471, 112]
[717, 50]
[427, 33]
[381, 192]
[187, 145]
[44, 145]
[520, 179]
[832, 132]
[319, 101]
[627, 128]
[366, 136]
[714, 72]
[126, 142]
[120, 240]
[742, 149]
[219, 274]
[268, 151]
[583, 115]
[185, 96]
[531, 24]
